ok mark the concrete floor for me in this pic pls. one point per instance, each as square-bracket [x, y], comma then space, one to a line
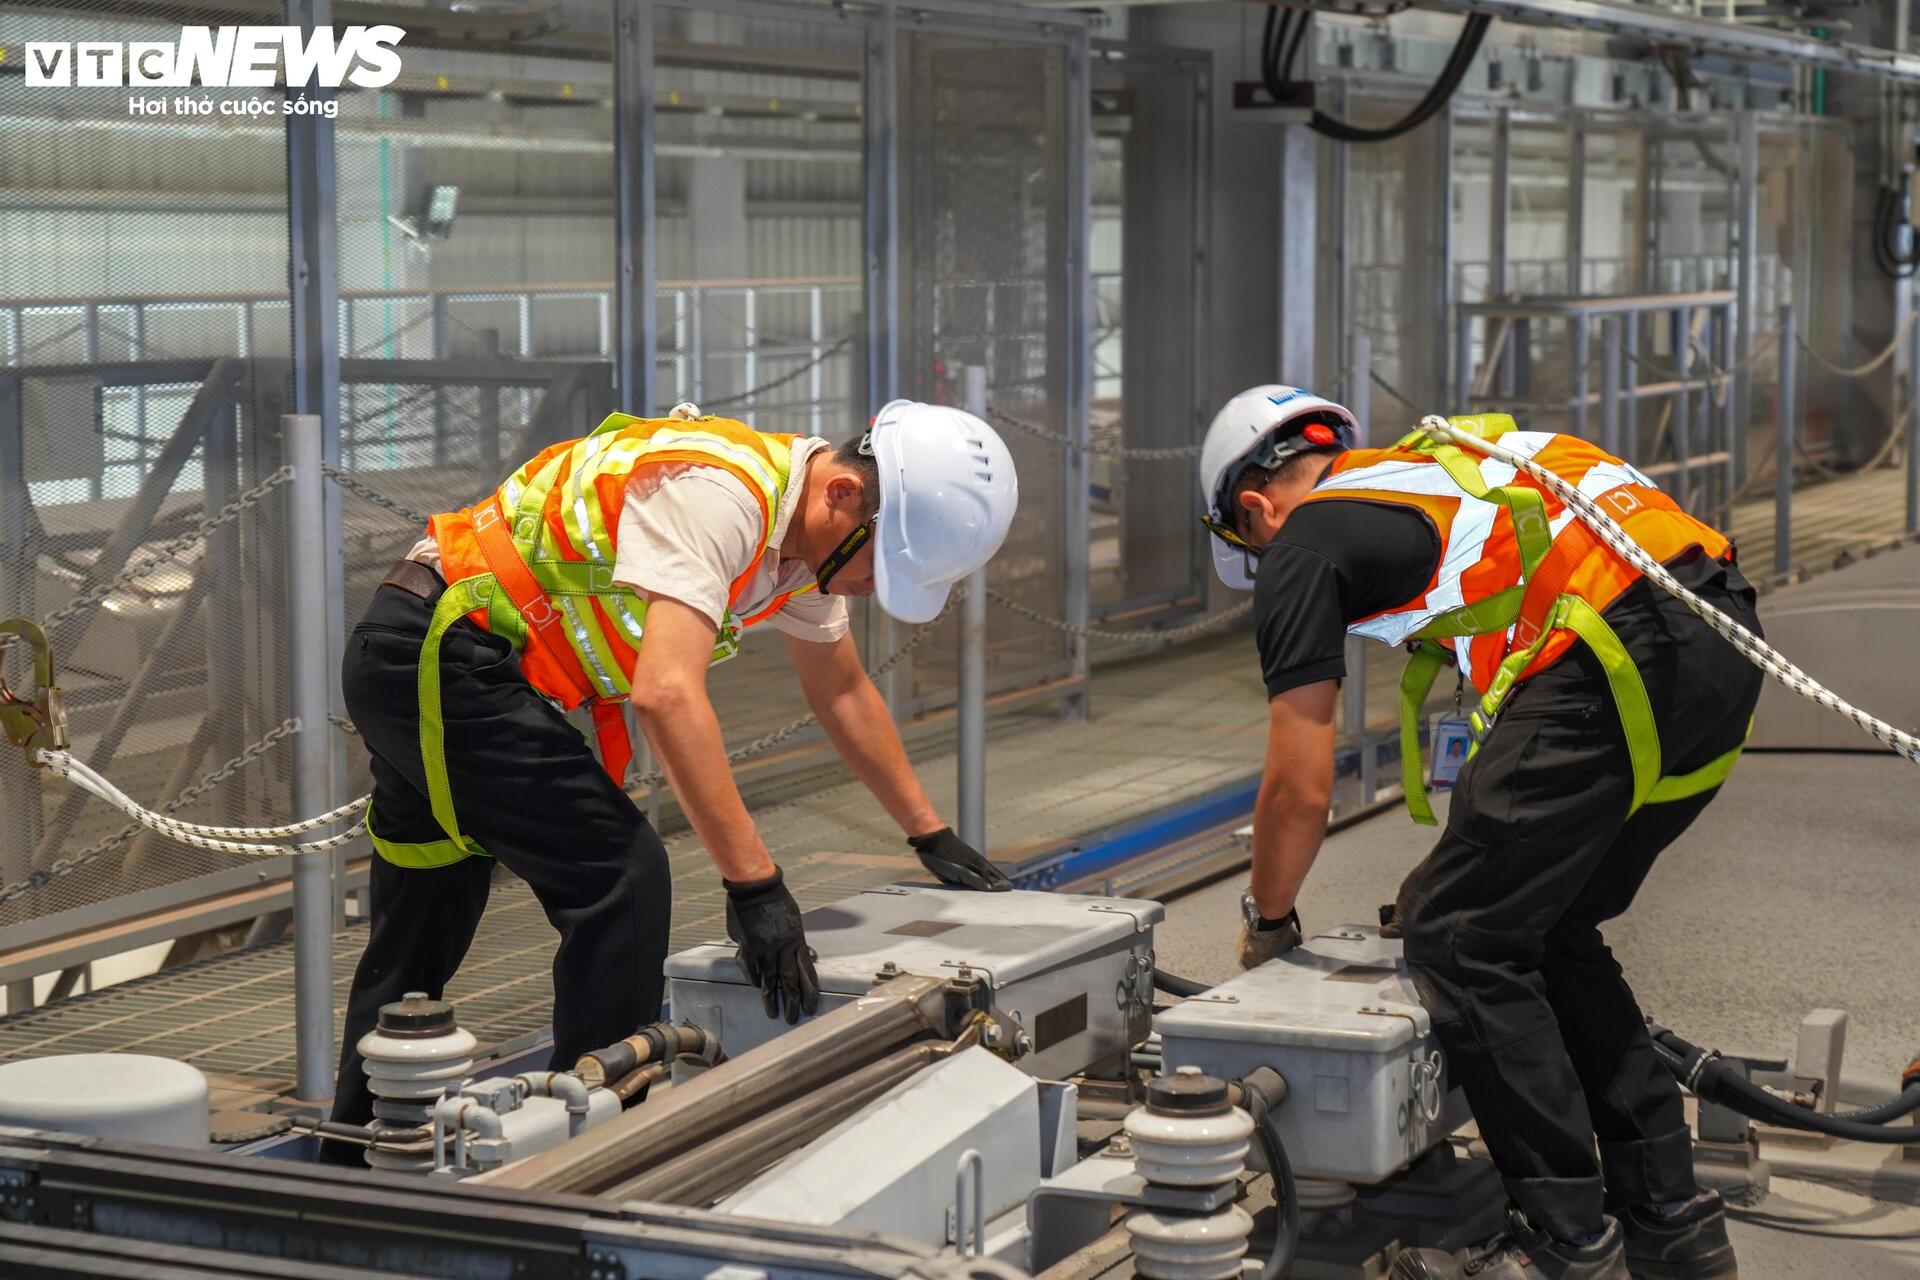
[1793, 892]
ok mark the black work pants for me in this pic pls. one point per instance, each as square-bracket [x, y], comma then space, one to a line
[1502, 918]
[528, 789]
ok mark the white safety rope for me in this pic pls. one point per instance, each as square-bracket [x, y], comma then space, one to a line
[218, 839]
[1750, 646]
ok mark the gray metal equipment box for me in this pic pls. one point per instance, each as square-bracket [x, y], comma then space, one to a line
[1076, 973]
[1368, 1091]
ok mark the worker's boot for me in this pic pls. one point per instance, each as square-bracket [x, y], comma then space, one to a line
[1691, 1244]
[1520, 1253]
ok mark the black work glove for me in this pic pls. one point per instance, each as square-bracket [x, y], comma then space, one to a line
[1391, 925]
[765, 920]
[1262, 939]
[957, 862]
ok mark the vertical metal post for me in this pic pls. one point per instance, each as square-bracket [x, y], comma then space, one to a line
[1788, 415]
[1582, 356]
[880, 230]
[1746, 286]
[138, 351]
[317, 586]
[1078, 359]
[1630, 385]
[1341, 299]
[816, 380]
[972, 695]
[1463, 362]
[1501, 206]
[1610, 327]
[634, 310]
[1727, 469]
[312, 757]
[1577, 208]
[1682, 422]
[749, 302]
[1354, 693]
[437, 350]
[1913, 433]
[1297, 288]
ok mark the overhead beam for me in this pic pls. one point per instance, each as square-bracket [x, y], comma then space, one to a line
[1697, 35]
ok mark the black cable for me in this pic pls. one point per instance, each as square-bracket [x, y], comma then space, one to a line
[1464, 52]
[1711, 1077]
[1175, 985]
[1286, 1194]
[1885, 253]
[1292, 56]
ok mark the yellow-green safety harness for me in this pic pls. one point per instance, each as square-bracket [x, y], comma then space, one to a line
[1533, 533]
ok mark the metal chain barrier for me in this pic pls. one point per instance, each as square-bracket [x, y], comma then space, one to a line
[66, 866]
[999, 419]
[168, 550]
[1169, 635]
[370, 494]
[785, 378]
[1751, 647]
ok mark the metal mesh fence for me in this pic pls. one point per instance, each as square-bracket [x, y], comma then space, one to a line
[983, 195]
[145, 326]
[129, 426]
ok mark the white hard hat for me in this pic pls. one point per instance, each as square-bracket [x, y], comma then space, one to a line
[947, 498]
[1254, 423]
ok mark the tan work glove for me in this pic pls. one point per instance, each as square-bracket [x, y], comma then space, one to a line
[1262, 939]
[685, 411]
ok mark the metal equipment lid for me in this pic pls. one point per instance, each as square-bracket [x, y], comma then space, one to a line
[937, 930]
[1342, 990]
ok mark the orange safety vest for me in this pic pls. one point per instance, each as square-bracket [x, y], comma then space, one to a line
[534, 563]
[1480, 554]
[1520, 579]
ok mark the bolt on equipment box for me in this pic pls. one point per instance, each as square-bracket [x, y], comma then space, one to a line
[1075, 974]
[1368, 1091]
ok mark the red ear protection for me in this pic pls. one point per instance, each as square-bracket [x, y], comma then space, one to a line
[1319, 433]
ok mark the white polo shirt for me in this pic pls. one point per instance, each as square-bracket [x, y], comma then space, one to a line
[687, 531]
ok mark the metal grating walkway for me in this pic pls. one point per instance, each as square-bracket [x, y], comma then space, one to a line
[1163, 728]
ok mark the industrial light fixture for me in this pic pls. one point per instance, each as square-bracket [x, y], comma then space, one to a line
[435, 219]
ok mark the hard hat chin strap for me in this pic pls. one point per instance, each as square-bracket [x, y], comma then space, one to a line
[849, 548]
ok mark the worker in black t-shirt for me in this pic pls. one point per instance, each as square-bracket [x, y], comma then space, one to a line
[1613, 714]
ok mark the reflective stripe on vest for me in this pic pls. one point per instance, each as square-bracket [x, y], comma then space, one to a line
[1519, 580]
[563, 509]
[1480, 555]
[534, 564]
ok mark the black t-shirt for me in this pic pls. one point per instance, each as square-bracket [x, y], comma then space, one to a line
[1338, 560]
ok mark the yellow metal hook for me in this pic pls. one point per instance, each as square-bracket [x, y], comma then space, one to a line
[39, 722]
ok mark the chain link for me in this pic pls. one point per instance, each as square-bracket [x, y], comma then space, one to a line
[369, 494]
[66, 866]
[781, 381]
[1169, 635]
[1000, 419]
[168, 550]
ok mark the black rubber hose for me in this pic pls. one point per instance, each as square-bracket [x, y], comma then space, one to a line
[1709, 1076]
[1286, 1194]
[1175, 985]
[1464, 52]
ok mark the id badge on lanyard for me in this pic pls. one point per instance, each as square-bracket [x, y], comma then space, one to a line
[1452, 738]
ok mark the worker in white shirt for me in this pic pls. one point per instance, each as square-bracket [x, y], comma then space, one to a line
[685, 530]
